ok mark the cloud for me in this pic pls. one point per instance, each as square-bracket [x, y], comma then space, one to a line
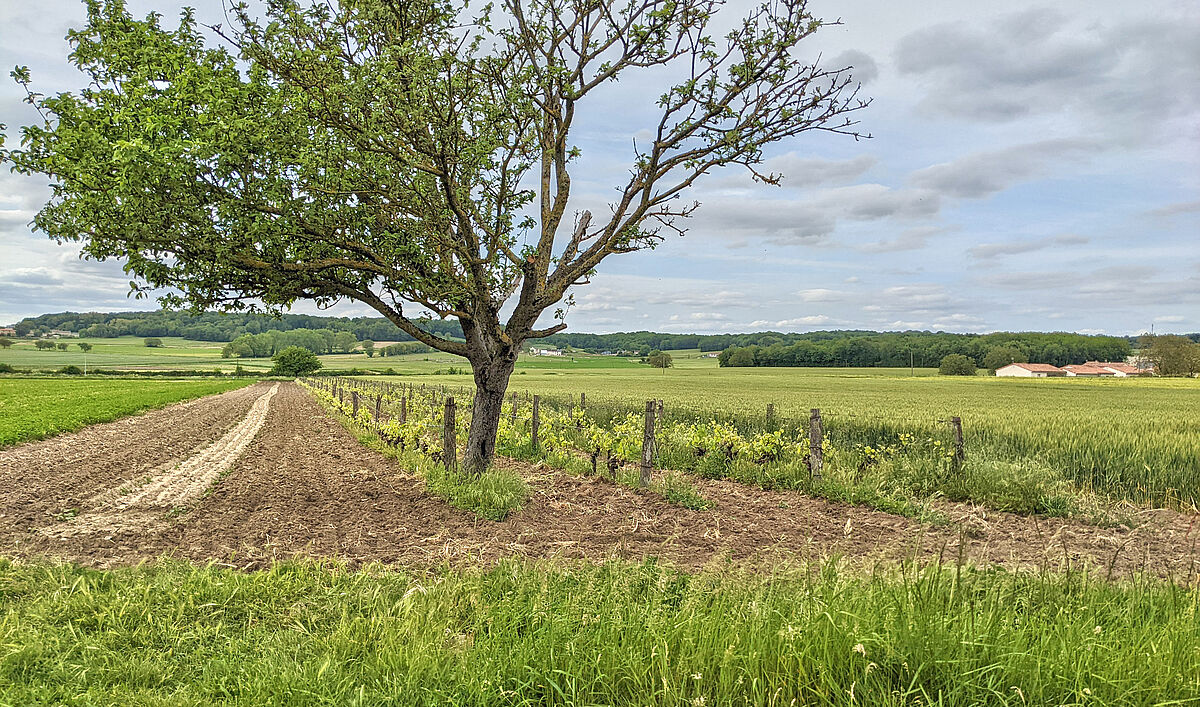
[1177, 209]
[1014, 247]
[819, 294]
[863, 67]
[809, 321]
[909, 239]
[1124, 77]
[985, 173]
[812, 219]
[796, 171]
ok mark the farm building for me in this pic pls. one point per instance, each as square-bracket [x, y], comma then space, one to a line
[1087, 370]
[1119, 369]
[1030, 370]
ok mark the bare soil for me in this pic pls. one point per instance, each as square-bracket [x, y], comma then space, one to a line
[304, 486]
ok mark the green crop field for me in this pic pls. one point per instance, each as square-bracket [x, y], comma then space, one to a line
[35, 408]
[1032, 445]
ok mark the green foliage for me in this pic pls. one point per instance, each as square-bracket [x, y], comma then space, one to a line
[659, 359]
[956, 365]
[613, 634]
[872, 349]
[1001, 356]
[495, 494]
[1171, 355]
[35, 408]
[153, 342]
[294, 361]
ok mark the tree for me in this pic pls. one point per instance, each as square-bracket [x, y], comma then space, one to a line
[411, 156]
[1170, 355]
[344, 342]
[85, 346]
[659, 359]
[152, 342]
[5, 342]
[1000, 356]
[957, 365]
[369, 348]
[294, 361]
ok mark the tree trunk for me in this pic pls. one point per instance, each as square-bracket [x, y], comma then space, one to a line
[491, 382]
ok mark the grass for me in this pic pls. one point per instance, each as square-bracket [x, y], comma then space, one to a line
[36, 408]
[525, 633]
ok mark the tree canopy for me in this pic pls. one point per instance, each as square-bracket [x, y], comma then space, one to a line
[415, 157]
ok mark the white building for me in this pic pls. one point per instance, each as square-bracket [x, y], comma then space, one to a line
[1030, 370]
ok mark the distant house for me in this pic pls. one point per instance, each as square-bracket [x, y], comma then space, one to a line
[61, 334]
[7, 331]
[1120, 369]
[1030, 370]
[1087, 370]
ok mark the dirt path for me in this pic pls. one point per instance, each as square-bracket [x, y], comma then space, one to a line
[50, 479]
[173, 487]
[305, 487]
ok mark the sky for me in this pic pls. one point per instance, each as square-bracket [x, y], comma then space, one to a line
[1033, 166]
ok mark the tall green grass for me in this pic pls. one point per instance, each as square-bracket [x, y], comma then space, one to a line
[614, 634]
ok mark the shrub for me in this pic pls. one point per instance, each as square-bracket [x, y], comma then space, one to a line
[294, 361]
[956, 365]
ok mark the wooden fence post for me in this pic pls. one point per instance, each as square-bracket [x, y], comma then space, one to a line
[533, 427]
[960, 452]
[449, 448]
[652, 412]
[816, 454]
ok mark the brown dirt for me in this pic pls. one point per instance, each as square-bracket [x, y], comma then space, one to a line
[306, 487]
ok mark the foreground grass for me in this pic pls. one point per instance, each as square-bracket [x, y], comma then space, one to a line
[35, 408]
[544, 634]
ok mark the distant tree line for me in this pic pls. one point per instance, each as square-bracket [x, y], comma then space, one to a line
[866, 349]
[212, 326]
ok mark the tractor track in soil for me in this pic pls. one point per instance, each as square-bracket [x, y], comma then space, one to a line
[305, 487]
